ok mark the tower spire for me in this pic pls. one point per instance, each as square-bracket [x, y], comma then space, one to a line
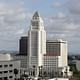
[36, 14]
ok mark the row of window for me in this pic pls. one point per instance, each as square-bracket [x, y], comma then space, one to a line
[54, 60]
[6, 78]
[50, 65]
[5, 71]
[6, 65]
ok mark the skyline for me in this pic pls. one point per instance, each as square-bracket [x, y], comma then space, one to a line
[61, 20]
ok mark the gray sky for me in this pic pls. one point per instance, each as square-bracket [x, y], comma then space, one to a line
[61, 18]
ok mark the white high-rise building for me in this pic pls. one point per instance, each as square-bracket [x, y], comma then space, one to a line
[37, 41]
[57, 47]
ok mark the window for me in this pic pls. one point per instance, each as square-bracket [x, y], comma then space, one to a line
[5, 78]
[10, 76]
[10, 65]
[35, 24]
[0, 65]
[5, 71]
[0, 72]
[0, 78]
[10, 71]
[5, 65]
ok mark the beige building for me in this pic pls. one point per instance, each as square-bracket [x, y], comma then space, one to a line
[7, 67]
[77, 63]
[58, 48]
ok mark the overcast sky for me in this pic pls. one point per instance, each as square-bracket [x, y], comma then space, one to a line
[61, 18]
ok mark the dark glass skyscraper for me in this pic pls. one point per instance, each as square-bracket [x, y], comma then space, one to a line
[23, 45]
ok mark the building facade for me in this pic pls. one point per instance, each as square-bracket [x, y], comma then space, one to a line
[7, 70]
[22, 59]
[37, 41]
[55, 59]
[7, 67]
[23, 45]
[58, 48]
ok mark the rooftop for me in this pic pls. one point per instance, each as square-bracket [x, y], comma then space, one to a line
[36, 14]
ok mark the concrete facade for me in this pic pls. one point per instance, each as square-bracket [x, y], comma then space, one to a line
[78, 65]
[37, 41]
[7, 67]
[57, 47]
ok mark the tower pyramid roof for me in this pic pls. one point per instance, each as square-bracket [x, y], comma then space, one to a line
[36, 14]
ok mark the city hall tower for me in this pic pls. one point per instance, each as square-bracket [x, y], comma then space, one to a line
[37, 41]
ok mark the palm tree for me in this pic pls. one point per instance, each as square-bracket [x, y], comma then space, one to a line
[34, 70]
[16, 72]
[45, 74]
[40, 71]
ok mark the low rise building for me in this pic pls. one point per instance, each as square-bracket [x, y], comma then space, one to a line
[22, 59]
[59, 79]
[8, 67]
[78, 65]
